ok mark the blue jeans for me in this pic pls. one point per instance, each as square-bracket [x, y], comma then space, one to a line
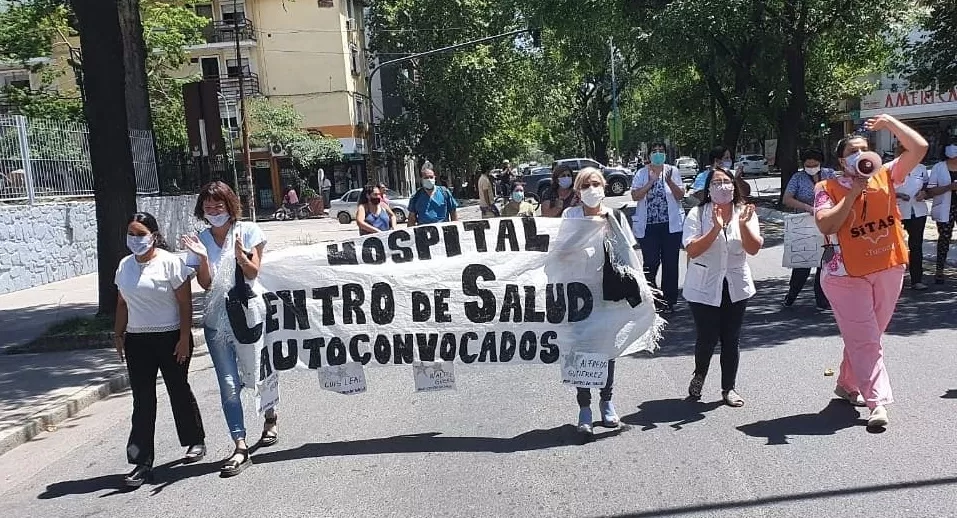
[661, 248]
[223, 355]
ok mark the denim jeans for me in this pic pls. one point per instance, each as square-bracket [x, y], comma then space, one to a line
[223, 355]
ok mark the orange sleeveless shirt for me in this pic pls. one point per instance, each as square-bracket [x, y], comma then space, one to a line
[871, 238]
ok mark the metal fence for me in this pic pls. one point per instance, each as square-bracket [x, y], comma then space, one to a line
[49, 159]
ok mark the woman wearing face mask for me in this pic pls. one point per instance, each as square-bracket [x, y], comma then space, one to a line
[560, 195]
[942, 184]
[657, 222]
[720, 156]
[516, 205]
[154, 313]
[718, 237]
[799, 195]
[373, 215]
[911, 196]
[864, 258]
[219, 206]
[590, 186]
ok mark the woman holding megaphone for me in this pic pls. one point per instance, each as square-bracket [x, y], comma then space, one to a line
[865, 257]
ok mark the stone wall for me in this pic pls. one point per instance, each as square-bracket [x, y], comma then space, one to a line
[50, 242]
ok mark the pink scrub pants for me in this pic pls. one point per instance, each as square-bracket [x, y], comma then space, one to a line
[863, 307]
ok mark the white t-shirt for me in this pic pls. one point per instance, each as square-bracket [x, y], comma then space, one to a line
[252, 237]
[149, 291]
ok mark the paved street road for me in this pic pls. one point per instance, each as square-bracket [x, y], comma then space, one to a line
[503, 444]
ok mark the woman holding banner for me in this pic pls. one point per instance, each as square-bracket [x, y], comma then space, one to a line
[226, 257]
[865, 257]
[590, 189]
[799, 195]
[718, 236]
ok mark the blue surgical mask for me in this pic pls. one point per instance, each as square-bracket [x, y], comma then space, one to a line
[518, 196]
[217, 220]
[139, 245]
[565, 182]
[951, 151]
[658, 158]
[727, 164]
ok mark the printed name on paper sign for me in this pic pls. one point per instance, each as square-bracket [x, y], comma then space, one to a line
[585, 370]
[348, 378]
[267, 396]
[432, 376]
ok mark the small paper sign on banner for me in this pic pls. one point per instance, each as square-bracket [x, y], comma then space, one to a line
[585, 370]
[349, 378]
[803, 242]
[267, 396]
[432, 376]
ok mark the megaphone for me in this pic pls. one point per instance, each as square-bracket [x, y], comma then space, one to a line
[865, 164]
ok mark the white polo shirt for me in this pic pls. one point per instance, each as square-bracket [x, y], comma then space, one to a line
[724, 259]
[149, 290]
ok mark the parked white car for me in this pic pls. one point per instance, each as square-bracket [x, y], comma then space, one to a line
[687, 166]
[752, 164]
[344, 208]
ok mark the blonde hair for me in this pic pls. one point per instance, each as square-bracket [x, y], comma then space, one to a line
[585, 175]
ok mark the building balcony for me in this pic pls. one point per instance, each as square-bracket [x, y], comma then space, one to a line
[224, 31]
[229, 86]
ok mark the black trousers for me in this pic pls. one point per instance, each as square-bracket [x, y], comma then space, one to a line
[584, 395]
[799, 279]
[915, 243]
[661, 248]
[714, 324]
[147, 353]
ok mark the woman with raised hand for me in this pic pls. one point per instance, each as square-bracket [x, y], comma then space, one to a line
[865, 257]
[210, 255]
[154, 320]
[718, 236]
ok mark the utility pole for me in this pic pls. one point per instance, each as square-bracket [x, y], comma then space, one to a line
[232, 154]
[615, 117]
[244, 128]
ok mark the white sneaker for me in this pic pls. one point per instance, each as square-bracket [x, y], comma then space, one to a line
[878, 417]
[854, 398]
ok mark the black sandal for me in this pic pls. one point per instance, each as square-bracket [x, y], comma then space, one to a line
[269, 437]
[233, 467]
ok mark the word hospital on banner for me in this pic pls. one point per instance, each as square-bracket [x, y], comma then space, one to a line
[506, 291]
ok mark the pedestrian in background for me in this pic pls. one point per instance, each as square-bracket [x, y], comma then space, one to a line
[718, 236]
[657, 222]
[799, 195]
[372, 215]
[590, 186]
[486, 196]
[219, 206]
[325, 186]
[864, 258]
[291, 201]
[431, 203]
[560, 194]
[912, 204]
[517, 205]
[941, 185]
[154, 320]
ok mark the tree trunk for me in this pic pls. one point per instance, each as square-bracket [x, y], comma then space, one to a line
[114, 183]
[790, 122]
[134, 60]
[733, 124]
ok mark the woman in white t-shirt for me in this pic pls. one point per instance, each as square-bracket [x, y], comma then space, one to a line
[219, 206]
[154, 316]
[590, 186]
[718, 236]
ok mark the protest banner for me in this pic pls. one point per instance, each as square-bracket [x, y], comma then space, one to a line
[803, 242]
[504, 291]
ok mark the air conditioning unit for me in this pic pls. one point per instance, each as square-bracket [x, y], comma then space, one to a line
[277, 150]
[350, 24]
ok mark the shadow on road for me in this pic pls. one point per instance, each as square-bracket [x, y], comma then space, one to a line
[837, 415]
[950, 394]
[430, 442]
[21, 325]
[163, 477]
[678, 412]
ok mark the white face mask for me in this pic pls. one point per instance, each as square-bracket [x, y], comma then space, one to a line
[727, 164]
[217, 220]
[721, 193]
[812, 170]
[428, 183]
[951, 151]
[565, 182]
[139, 245]
[593, 196]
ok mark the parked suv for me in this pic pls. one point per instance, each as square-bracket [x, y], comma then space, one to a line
[617, 179]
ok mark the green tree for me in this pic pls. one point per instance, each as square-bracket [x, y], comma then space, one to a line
[281, 124]
[934, 58]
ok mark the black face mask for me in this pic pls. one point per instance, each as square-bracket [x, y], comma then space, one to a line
[375, 201]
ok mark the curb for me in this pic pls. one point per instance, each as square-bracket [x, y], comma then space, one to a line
[46, 419]
[777, 216]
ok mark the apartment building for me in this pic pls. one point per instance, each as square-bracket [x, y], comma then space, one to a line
[310, 54]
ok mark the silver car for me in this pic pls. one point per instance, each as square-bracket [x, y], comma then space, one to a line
[344, 208]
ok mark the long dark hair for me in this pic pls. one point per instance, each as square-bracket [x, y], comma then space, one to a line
[221, 192]
[147, 220]
[367, 193]
[558, 171]
[736, 199]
